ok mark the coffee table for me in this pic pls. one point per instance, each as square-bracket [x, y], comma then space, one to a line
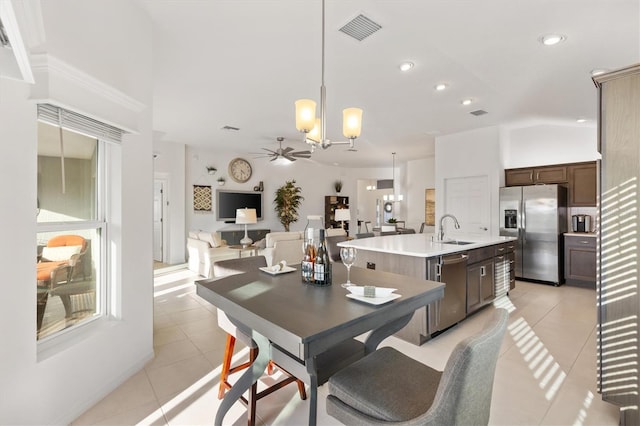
[241, 248]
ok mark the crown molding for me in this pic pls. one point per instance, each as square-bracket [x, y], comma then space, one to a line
[50, 64]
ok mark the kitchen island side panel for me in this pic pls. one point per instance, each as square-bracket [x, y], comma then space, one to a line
[417, 331]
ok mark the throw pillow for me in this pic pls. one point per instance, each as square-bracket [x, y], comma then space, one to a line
[193, 234]
[210, 237]
[56, 254]
[260, 244]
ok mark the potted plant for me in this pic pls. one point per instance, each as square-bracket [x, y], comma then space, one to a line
[338, 186]
[287, 201]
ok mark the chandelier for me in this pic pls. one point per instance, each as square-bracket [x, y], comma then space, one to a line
[314, 129]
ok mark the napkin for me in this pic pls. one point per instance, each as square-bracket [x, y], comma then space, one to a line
[280, 266]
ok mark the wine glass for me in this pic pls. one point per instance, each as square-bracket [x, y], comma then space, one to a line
[348, 256]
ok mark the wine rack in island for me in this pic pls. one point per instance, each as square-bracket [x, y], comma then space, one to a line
[331, 203]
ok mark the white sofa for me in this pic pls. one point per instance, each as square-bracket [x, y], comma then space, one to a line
[204, 248]
[280, 246]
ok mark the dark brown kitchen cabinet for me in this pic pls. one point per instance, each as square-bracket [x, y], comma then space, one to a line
[580, 260]
[480, 279]
[579, 178]
[534, 175]
[582, 185]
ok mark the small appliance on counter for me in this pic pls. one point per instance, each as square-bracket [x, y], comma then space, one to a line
[581, 223]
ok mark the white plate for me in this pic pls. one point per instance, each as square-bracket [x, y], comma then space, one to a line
[284, 270]
[374, 300]
[358, 290]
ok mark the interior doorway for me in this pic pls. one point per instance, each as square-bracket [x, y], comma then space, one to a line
[158, 219]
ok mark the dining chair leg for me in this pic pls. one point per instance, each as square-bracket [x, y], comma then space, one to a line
[253, 353]
[226, 365]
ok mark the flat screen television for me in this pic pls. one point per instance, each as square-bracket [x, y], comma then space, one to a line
[228, 201]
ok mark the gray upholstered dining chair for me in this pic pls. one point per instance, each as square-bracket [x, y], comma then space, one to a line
[390, 387]
[224, 268]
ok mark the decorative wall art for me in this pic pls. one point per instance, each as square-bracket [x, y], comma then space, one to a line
[202, 198]
[430, 207]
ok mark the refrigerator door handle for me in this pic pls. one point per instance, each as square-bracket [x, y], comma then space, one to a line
[523, 224]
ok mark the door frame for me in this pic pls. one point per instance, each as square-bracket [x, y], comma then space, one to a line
[163, 178]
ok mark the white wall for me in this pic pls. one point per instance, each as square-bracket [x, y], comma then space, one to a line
[467, 154]
[420, 176]
[545, 143]
[56, 384]
[315, 180]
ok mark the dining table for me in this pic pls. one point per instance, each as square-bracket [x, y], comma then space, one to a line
[304, 327]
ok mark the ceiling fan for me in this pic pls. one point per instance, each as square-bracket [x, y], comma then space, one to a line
[287, 153]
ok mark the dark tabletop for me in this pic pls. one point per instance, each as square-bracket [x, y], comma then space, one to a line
[305, 319]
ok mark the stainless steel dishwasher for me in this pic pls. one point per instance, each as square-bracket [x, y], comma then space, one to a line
[452, 270]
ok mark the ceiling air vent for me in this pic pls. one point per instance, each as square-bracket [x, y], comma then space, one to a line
[478, 112]
[360, 27]
[4, 39]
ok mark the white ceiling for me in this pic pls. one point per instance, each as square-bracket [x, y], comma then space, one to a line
[243, 63]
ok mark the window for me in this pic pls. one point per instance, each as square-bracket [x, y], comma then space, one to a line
[71, 219]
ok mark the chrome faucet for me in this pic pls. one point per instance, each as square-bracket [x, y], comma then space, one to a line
[441, 229]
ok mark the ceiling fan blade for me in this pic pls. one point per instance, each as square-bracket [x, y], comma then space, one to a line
[270, 150]
[289, 157]
[287, 150]
[302, 154]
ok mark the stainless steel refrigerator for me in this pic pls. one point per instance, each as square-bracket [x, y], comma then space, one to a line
[537, 216]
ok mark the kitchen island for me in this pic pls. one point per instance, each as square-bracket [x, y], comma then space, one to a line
[475, 270]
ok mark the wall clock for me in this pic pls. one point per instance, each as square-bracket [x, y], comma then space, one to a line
[240, 170]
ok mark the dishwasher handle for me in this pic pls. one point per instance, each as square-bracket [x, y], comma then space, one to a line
[452, 260]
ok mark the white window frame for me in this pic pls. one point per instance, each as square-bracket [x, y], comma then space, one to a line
[50, 345]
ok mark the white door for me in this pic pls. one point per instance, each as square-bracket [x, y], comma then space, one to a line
[469, 200]
[158, 204]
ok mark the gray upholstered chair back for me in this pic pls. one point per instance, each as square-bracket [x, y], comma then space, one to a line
[465, 389]
[332, 247]
[364, 393]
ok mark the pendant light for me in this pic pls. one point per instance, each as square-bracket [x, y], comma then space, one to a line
[393, 197]
[314, 129]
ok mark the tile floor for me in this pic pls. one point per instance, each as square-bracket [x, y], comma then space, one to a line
[545, 373]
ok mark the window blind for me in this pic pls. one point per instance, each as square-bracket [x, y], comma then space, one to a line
[70, 120]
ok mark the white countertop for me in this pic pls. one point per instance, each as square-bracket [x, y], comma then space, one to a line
[581, 234]
[420, 245]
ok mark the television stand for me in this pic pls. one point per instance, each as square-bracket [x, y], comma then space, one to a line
[233, 236]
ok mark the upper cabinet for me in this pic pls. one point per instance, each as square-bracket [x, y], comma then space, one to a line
[582, 184]
[579, 178]
[534, 175]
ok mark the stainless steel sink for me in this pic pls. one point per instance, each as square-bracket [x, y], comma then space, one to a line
[458, 243]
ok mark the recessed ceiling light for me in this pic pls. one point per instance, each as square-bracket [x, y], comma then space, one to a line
[598, 71]
[551, 39]
[581, 120]
[466, 101]
[406, 66]
[440, 87]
